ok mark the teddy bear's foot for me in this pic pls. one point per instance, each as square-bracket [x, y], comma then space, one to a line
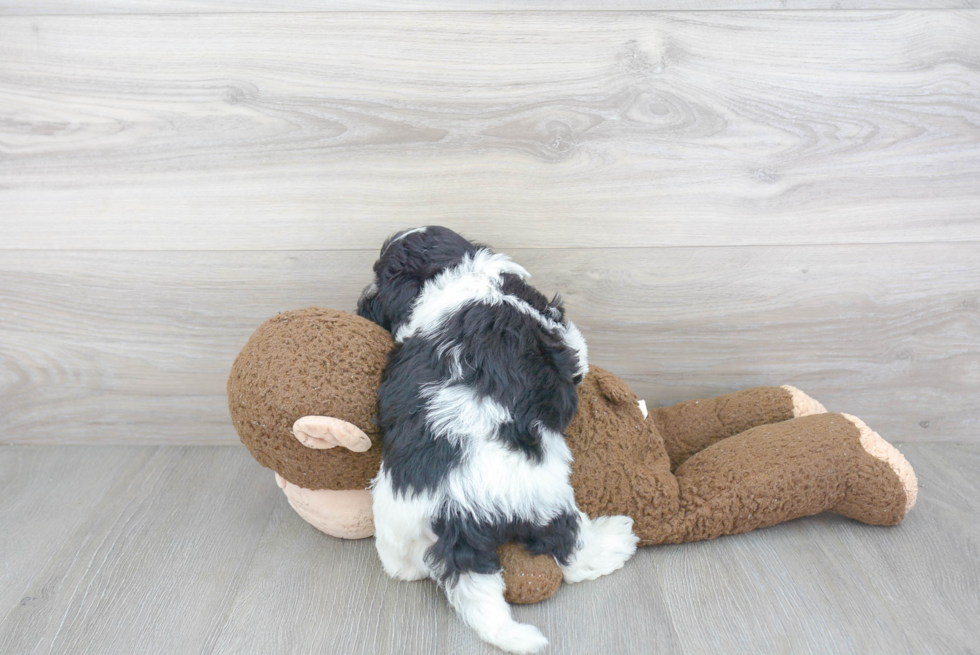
[863, 488]
[803, 405]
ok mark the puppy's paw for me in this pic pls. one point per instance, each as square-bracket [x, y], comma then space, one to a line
[607, 542]
[516, 637]
[406, 573]
[397, 560]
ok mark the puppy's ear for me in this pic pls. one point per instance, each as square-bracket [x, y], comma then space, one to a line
[369, 307]
[564, 358]
[392, 303]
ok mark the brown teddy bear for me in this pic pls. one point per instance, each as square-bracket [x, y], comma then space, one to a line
[303, 393]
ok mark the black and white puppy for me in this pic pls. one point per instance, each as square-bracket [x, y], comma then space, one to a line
[476, 395]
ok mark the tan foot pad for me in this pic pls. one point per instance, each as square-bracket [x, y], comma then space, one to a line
[880, 449]
[803, 405]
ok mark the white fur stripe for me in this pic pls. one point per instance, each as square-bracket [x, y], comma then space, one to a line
[476, 279]
[455, 412]
[403, 235]
[495, 482]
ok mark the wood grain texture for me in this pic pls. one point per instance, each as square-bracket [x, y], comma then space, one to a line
[89, 7]
[281, 606]
[947, 524]
[196, 550]
[156, 565]
[121, 347]
[47, 497]
[323, 131]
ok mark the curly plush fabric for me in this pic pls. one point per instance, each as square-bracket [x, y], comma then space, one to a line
[741, 462]
[691, 426]
[310, 362]
[620, 464]
[779, 472]
[529, 578]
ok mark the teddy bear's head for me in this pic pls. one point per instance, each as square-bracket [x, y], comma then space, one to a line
[313, 362]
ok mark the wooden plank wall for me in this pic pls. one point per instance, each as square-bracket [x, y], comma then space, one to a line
[724, 198]
[96, 7]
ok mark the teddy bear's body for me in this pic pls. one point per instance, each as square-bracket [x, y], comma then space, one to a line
[302, 395]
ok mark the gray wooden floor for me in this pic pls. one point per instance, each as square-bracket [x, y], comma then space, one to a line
[142, 549]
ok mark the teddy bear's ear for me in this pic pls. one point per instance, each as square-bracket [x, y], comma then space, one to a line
[612, 387]
[327, 432]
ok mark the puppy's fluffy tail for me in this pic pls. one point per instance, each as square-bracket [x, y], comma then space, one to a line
[479, 600]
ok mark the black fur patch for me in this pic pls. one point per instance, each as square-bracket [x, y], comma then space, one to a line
[416, 460]
[405, 265]
[467, 545]
[511, 358]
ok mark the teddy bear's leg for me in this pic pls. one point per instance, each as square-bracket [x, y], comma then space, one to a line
[778, 472]
[691, 426]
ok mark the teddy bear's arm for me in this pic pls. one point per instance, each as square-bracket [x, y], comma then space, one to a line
[691, 426]
[782, 471]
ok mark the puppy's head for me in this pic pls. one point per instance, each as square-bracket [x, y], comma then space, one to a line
[409, 259]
